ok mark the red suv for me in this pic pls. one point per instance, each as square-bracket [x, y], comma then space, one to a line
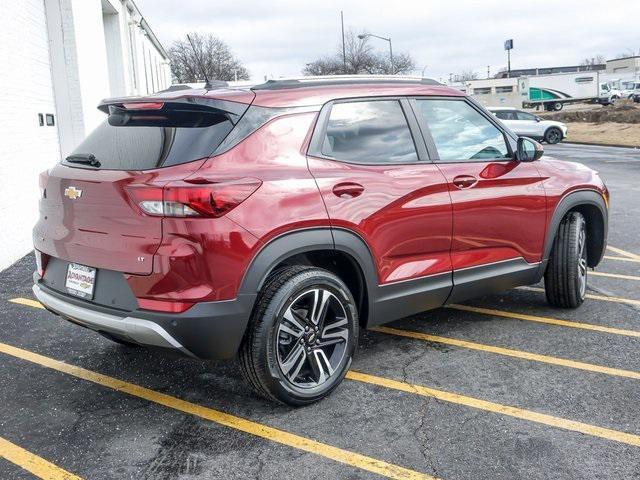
[273, 222]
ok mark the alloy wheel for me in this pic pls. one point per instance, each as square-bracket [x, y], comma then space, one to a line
[582, 262]
[553, 137]
[312, 337]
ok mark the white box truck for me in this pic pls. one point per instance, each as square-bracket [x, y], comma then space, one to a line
[553, 91]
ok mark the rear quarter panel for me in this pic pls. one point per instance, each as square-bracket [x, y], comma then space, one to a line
[288, 198]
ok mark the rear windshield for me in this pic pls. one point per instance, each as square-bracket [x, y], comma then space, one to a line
[134, 147]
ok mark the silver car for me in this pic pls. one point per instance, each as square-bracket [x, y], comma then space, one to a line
[528, 125]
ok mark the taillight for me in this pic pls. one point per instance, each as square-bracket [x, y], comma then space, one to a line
[42, 180]
[193, 198]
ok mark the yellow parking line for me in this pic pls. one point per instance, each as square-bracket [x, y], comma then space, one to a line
[622, 259]
[231, 421]
[509, 352]
[629, 301]
[547, 320]
[312, 446]
[615, 275]
[33, 464]
[624, 253]
[27, 302]
[520, 413]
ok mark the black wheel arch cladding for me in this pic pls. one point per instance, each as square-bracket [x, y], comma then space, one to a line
[300, 242]
[592, 206]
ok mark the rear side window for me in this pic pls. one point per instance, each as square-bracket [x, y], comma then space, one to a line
[525, 116]
[505, 115]
[148, 139]
[461, 133]
[369, 132]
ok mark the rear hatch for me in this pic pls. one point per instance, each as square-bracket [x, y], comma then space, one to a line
[89, 206]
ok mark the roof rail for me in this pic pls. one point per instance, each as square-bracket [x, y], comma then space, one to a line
[314, 81]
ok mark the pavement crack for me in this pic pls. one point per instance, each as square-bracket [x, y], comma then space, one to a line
[261, 465]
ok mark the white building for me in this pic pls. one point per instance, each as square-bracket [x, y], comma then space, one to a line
[59, 59]
[628, 66]
[495, 92]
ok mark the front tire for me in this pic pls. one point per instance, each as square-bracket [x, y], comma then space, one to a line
[553, 135]
[301, 337]
[565, 279]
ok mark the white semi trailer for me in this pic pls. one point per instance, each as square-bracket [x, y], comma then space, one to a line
[553, 91]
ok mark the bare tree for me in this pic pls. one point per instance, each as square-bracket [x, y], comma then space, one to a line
[629, 52]
[216, 60]
[465, 76]
[402, 63]
[597, 60]
[360, 58]
[324, 66]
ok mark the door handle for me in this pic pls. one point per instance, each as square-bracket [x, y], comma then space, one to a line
[464, 181]
[347, 190]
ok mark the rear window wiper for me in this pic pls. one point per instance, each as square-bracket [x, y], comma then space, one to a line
[88, 158]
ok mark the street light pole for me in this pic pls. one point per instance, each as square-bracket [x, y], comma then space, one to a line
[365, 35]
[344, 51]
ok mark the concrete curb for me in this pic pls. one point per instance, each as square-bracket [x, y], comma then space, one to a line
[602, 145]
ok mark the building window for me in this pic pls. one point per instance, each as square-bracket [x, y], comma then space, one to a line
[482, 91]
[158, 77]
[132, 53]
[508, 89]
[146, 76]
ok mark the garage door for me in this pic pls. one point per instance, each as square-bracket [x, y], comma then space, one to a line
[27, 148]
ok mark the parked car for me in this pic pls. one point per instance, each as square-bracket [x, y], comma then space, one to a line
[529, 125]
[274, 222]
[630, 89]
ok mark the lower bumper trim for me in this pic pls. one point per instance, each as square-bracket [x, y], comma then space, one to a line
[138, 330]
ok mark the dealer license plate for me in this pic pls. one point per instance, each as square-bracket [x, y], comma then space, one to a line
[80, 280]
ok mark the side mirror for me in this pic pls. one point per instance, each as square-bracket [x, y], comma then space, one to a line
[538, 119]
[528, 150]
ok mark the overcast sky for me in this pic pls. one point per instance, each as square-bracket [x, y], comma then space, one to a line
[277, 38]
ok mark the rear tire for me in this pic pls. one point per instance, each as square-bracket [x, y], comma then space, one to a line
[301, 337]
[565, 280]
[553, 135]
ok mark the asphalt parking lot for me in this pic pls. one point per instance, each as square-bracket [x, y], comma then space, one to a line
[502, 387]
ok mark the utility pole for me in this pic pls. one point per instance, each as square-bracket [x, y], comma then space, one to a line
[508, 46]
[344, 51]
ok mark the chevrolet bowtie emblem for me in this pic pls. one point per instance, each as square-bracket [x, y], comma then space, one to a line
[72, 193]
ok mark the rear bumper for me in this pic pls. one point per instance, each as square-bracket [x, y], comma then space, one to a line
[206, 330]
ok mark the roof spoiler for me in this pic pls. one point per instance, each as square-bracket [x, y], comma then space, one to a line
[187, 103]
